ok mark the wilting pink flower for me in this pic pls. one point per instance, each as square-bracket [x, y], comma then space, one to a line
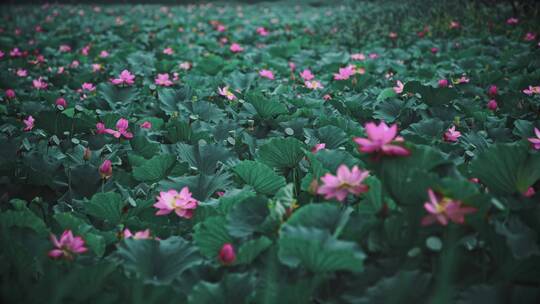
[492, 90]
[344, 182]
[87, 86]
[146, 125]
[463, 79]
[121, 129]
[29, 123]
[313, 84]
[163, 80]
[139, 235]
[399, 87]
[67, 247]
[512, 21]
[10, 94]
[344, 73]
[532, 90]
[125, 77]
[530, 192]
[443, 83]
[105, 170]
[434, 50]
[492, 105]
[451, 134]
[61, 102]
[64, 48]
[168, 51]
[444, 210]
[236, 48]
[39, 84]
[307, 75]
[529, 36]
[226, 93]
[535, 141]
[104, 54]
[22, 73]
[392, 35]
[454, 25]
[182, 203]
[292, 66]
[358, 56]
[185, 65]
[15, 52]
[318, 147]
[262, 31]
[266, 74]
[380, 139]
[226, 254]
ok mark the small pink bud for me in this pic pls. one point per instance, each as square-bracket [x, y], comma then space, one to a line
[434, 50]
[492, 105]
[227, 255]
[443, 83]
[10, 93]
[105, 170]
[492, 91]
[530, 192]
[146, 125]
[61, 102]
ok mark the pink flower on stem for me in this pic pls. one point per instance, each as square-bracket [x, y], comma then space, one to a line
[60, 101]
[399, 87]
[532, 90]
[121, 129]
[535, 141]
[262, 31]
[512, 21]
[87, 86]
[344, 73]
[39, 84]
[444, 210]
[29, 123]
[307, 75]
[67, 247]
[163, 80]
[236, 48]
[266, 74]
[146, 125]
[313, 84]
[318, 147]
[182, 203]
[451, 134]
[373, 56]
[125, 77]
[227, 254]
[443, 83]
[492, 105]
[358, 56]
[168, 51]
[226, 93]
[10, 93]
[492, 90]
[139, 235]
[105, 170]
[380, 139]
[344, 182]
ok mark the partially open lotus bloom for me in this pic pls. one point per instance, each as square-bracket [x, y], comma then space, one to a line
[532, 90]
[345, 73]
[344, 182]
[512, 21]
[87, 86]
[399, 87]
[182, 203]
[266, 74]
[168, 51]
[22, 72]
[121, 129]
[10, 93]
[146, 125]
[227, 255]
[535, 141]
[451, 134]
[39, 84]
[327, 97]
[104, 54]
[163, 80]
[313, 84]
[236, 48]
[29, 123]
[139, 235]
[262, 31]
[221, 28]
[64, 48]
[96, 67]
[529, 36]
[443, 83]
[105, 170]
[445, 210]
[67, 247]
[492, 90]
[381, 139]
[226, 93]
[292, 66]
[463, 79]
[15, 52]
[125, 77]
[307, 75]
[318, 147]
[530, 192]
[358, 56]
[186, 65]
[492, 105]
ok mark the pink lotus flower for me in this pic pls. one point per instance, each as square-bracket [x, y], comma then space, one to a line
[266, 74]
[226, 254]
[22, 73]
[236, 48]
[327, 97]
[512, 21]
[74, 64]
[463, 79]
[67, 247]
[344, 182]
[444, 210]
[61, 102]
[292, 66]
[125, 77]
[358, 56]
[451, 134]
[380, 139]
[434, 50]
[226, 93]
[345, 73]
[492, 105]
[221, 28]
[313, 84]
[392, 35]
[373, 56]
[2, 54]
[307, 75]
[139, 235]
[15, 52]
[146, 125]
[530, 192]
[454, 25]
[492, 90]
[532, 90]
[39, 84]
[443, 83]
[185, 65]
[104, 54]
[168, 51]
[64, 48]
[262, 31]
[100, 128]
[121, 129]
[87, 86]
[163, 80]
[10, 94]
[182, 203]
[105, 170]
[529, 36]
[85, 50]
[29, 123]
[96, 67]
[318, 147]
[399, 87]
[535, 141]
